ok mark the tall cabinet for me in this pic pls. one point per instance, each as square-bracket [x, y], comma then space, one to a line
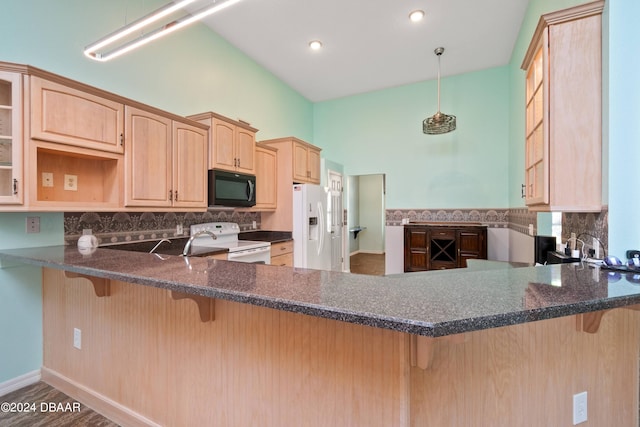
[11, 182]
[298, 162]
[563, 124]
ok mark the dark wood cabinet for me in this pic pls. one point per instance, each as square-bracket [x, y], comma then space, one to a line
[442, 246]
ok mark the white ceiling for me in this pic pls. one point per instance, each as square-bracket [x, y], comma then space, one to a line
[369, 44]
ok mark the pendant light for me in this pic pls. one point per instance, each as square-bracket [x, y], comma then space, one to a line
[439, 123]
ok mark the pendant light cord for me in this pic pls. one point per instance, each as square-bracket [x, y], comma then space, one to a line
[439, 54]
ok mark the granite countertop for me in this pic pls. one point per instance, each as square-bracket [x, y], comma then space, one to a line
[441, 304]
[266, 236]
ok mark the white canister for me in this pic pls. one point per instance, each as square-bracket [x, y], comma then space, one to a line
[87, 241]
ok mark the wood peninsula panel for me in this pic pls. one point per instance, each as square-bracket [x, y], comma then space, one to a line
[250, 366]
[527, 374]
[146, 359]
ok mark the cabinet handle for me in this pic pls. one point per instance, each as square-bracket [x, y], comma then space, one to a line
[15, 187]
[171, 195]
[238, 162]
[121, 139]
[176, 195]
[522, 189]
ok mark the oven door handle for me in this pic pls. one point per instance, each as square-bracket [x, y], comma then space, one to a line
[253, 251]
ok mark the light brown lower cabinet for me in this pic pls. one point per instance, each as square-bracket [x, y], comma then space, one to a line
[282, 253]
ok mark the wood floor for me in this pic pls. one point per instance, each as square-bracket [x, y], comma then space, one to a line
[51, 408]
[363, 263]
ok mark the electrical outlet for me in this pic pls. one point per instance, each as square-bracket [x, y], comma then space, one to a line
[530, 229]
[596, 248]
[179, 230]
[47, 179]
[579, 408]
[71, 182]
[77, 338]
[254, 225]
[33, 224]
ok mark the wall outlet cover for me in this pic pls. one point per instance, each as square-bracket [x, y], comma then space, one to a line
[579, 408]
[71, 182]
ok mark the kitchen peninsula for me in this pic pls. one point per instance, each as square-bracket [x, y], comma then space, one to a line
[168, 340]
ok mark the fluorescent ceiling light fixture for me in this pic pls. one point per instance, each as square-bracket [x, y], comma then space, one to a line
[315, 44]
[91, 51]
[416, 15]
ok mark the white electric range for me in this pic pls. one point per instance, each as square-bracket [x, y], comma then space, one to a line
[227, 237]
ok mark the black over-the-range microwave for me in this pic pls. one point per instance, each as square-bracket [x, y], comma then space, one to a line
[231, 189]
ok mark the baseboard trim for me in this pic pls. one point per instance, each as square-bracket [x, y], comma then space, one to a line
[21, 381]
[116, 412]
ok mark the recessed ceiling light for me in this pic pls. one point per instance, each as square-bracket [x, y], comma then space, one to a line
[315, 44]
[416, 15]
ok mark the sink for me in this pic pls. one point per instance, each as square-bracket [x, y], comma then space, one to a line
[174, 247]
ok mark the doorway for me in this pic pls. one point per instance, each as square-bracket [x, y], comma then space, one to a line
[335, 219]
[366, 223]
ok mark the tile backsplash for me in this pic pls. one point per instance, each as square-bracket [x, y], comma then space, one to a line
[586, 226]
[115, 227]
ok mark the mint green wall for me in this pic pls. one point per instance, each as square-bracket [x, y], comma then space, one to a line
[623, 132]
[190, 71]
[21, 295]
[381, 132]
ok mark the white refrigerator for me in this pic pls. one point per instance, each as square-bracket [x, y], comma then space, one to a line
[311, 230]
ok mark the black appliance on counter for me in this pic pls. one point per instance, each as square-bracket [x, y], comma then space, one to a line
[231, 189]
[544, 250]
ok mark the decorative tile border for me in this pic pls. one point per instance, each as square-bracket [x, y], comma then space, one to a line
[517, 219]
[115, 227]
[494, 218]
[520, 218]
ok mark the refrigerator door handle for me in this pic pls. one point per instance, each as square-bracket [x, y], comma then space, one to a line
[321, 225]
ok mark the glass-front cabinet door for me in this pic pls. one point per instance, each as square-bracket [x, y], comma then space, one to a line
[11, 185]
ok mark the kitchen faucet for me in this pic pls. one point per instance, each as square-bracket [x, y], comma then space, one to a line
[158, 244]
[187, 246]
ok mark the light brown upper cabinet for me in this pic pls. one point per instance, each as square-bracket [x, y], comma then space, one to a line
[70, 116]
[164, 161]
[298, 162]
[189, 166]
[306, 163]
[11, 182]
[563, 123]
[266, 178]
[232, 143]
